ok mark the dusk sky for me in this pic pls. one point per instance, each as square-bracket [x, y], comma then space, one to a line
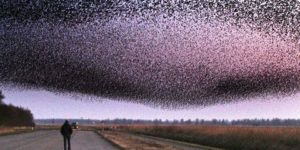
[44, 104]
[215, 59]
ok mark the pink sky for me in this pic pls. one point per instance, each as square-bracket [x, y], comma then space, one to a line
[44, 104]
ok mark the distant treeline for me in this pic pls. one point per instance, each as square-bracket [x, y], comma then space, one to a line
[245, 122]
[14, 116]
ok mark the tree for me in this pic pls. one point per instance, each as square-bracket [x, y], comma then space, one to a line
[14, 116]
[1, 97]
[189, 121]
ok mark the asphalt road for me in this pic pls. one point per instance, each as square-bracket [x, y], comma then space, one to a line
[52, 140]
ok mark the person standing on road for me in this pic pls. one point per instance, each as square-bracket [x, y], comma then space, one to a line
[66, 131]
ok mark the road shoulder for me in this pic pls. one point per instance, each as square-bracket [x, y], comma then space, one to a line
[130, 141]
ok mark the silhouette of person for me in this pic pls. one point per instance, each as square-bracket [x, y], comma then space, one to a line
[66, 131]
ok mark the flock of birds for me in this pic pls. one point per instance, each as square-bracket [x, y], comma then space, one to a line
[167, 53]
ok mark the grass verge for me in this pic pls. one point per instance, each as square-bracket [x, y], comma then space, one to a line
[15, 130]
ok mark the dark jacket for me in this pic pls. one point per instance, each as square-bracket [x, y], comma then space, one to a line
[66, 130]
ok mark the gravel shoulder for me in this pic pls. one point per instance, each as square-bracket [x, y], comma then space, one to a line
[128, 141]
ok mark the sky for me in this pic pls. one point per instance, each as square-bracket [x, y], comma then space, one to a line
[189, 57]
[168, 54]
[44, 104]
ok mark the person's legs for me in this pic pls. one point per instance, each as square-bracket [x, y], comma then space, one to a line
[65, 143]
[69, 143]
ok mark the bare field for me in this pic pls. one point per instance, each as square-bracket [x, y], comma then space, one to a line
[227, 137]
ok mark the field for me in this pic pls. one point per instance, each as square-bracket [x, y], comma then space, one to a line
[226, 137]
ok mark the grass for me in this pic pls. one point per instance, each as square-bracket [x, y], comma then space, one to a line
[14, 130]
[227, 137]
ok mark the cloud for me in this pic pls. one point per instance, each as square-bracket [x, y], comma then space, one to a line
[150, 53]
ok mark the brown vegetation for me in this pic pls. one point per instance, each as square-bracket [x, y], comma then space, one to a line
[227, 137]
[15, 130]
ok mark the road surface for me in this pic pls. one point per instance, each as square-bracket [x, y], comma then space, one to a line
[52, 140]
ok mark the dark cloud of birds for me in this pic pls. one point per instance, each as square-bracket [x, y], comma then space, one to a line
[167, 53]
